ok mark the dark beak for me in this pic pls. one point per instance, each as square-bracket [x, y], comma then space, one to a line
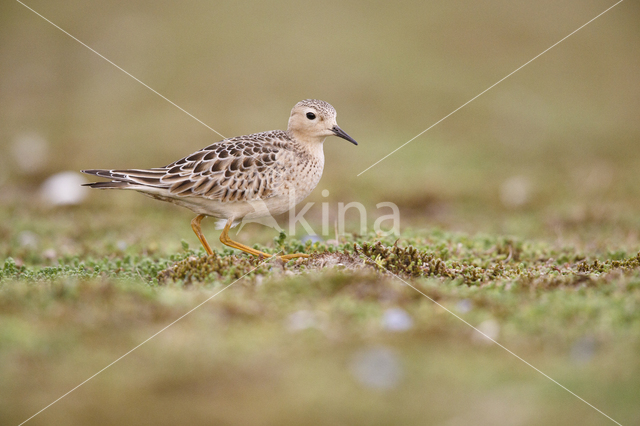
[342, 134]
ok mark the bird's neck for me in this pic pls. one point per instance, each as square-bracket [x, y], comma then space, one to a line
[313, 146]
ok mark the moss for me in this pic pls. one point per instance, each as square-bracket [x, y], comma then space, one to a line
[541, 273]
[214, 267]
[406, 261]
[624, 265]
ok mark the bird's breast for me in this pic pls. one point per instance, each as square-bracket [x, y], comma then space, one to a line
[305, 177]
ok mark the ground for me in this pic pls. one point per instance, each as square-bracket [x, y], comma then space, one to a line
[373, 330]
[518, 215]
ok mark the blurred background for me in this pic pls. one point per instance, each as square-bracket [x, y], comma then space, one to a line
[554, 148]
[550, 156]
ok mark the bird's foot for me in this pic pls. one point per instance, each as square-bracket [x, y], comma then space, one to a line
[288, 257]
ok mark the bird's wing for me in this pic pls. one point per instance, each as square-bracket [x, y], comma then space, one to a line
[245, 168]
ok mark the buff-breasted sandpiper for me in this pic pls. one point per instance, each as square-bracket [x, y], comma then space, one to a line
[252, 176]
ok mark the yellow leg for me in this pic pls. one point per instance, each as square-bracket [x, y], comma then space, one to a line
[287, 257]
[227, 241]
[195, 225]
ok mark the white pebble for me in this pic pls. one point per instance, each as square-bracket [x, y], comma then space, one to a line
[64, 189]
[583, 350]
[30, 152]
[490, 331]
[49, 254]
[301, 320]
[396, 319]
[464, 306]
[377, 368]
[312, 238]
[28, 239]
[515, 191]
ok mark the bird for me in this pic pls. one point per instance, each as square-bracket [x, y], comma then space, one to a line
[245, 177]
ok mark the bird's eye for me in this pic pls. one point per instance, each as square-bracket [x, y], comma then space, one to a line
[311, 116]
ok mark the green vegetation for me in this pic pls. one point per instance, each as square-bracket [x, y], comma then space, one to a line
[289, 334]
[519, 214]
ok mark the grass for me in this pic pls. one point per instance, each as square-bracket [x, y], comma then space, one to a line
[518, 214]
[281, 344]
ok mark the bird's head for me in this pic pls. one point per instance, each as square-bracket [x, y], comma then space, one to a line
[313, 120]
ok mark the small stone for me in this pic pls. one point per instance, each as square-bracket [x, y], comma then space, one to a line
[301, 320]
[28, 239]
[490, 329]
[64, 189]
[396, 319]
[312, 238]
[49, 254]
[583, 350]
[377, 368]
[515, 191]
[30, 152]
[464, 306]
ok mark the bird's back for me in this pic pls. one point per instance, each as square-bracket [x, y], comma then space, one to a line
[245, 168]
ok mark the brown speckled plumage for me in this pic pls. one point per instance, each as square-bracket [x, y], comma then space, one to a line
[252, 176]
[244, 168]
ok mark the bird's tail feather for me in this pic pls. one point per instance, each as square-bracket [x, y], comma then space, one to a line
[126, 179]
[106, 185]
